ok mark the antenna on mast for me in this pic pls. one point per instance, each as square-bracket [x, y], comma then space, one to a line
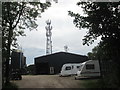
[66, 48]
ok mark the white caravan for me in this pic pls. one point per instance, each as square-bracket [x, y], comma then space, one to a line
[69, 69]
[89, 68]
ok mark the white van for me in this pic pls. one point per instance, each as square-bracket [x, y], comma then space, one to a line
[69, 69]
[89, 68]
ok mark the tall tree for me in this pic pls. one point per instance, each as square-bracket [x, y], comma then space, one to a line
[93, 55]
[102, 19]
[16, 17]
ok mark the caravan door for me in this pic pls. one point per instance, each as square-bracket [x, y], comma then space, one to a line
[68, 70]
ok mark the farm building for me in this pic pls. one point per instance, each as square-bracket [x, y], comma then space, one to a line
[52, 63]
[18, 61]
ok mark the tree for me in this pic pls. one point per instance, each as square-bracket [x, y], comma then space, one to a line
[16, 17]
[102, 19]
[93, 55]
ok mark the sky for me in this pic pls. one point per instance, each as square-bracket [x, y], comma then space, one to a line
[64, 32]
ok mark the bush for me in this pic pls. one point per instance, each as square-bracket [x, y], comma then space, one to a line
[108, 82]
[10, 86]
[91, 83]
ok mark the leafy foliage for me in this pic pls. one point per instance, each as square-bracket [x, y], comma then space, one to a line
[20, 16]
[93, 55]
[102, 19]
[16, 17]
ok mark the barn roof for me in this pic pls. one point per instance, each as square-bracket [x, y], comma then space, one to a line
[56, 60]
[60, 53]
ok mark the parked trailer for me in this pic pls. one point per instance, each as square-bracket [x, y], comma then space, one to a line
[69, 69]
[89, 68]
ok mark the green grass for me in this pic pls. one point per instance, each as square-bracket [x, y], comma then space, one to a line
[10, 86]
[93, 83]
[98, 83]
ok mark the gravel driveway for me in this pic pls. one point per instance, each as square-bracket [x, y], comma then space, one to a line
[48, 81]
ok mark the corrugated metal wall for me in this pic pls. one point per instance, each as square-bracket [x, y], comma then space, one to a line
[56, 61]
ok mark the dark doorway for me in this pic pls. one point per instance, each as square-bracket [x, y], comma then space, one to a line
[42, 68]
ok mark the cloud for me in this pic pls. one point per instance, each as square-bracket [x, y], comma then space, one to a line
[64, 32]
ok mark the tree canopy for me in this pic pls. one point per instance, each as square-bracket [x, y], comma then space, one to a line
[102, 19]
[19, 16]
[16, 17]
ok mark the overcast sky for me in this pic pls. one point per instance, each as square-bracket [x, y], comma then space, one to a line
[64, 32]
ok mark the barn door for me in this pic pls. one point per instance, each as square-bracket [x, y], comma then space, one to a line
[51, 70]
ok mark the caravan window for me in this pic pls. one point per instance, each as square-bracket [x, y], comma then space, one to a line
[68, 68]
[78, 66]
[90, 66]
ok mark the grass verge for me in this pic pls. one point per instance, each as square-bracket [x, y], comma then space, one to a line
[93, 83]
[10, 86]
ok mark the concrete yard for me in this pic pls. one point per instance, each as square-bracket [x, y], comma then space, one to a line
[47, 81]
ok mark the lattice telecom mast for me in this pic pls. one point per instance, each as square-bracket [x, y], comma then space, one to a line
[48, 35]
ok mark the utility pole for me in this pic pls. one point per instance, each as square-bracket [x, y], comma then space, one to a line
[48, 35]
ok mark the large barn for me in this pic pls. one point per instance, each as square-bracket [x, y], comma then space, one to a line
[51, 64]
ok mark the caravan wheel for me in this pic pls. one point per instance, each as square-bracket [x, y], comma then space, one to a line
[60, 75]
[75, 78]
